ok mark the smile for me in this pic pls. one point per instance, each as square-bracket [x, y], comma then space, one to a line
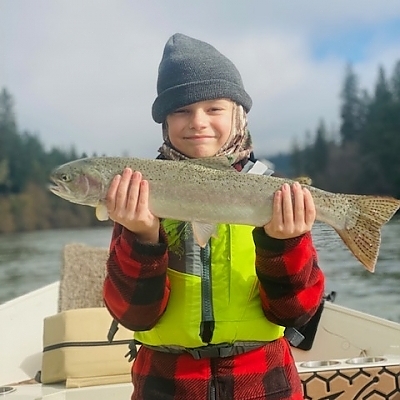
[199, 137]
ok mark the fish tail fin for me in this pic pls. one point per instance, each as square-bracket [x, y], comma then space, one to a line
[362, 230]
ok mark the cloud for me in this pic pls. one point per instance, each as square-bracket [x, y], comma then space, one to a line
[84, 72]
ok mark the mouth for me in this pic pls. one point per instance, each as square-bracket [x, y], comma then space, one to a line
[58, 188]
[203, 137]
[54, 186]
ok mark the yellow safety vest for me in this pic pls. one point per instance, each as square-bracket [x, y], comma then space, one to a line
[217, 284]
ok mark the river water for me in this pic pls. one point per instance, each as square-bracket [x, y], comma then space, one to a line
[31, 260]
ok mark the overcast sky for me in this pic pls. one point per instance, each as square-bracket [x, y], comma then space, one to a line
[83, 72]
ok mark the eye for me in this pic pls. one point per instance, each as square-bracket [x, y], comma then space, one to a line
[65, 178]
[180, 111]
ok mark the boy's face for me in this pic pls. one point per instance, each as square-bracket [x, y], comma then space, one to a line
[201, 129]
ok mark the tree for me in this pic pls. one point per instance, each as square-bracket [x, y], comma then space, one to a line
[7, 115]
[395, 116]
[395, 83]
[9, 139]
[352, 108]
[296, 159]
[380, 141]
[321, 149]
[25, 202]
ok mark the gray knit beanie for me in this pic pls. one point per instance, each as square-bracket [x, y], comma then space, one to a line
[190, 71]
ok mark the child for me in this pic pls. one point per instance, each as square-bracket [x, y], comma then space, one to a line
[210, 320]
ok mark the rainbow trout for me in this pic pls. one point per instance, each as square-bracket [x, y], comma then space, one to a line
[207, 192]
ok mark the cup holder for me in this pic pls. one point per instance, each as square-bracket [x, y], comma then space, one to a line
[317, 364]
[365, 360]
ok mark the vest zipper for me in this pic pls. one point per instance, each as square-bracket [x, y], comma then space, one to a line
[213, 390]
[214, 395]
[207, 313]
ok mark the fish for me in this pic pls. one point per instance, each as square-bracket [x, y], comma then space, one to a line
[206, 192]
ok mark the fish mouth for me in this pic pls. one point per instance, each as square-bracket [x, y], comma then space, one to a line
[62, 189]
[59, 189]
[54, 188]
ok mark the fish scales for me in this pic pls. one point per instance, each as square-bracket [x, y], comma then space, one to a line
[210, 191]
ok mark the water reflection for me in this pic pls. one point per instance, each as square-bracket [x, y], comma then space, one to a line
[31, 260]
[377, 293]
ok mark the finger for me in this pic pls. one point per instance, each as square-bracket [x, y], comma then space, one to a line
[121, 194]
[287, 205]
[298, 203]
[277, 217]
[111, 193]
[310, 211]
[133, 192]
[143, 200]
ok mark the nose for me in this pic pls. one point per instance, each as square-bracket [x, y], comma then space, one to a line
[198, 119]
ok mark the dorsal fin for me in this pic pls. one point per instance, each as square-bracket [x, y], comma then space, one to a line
[222, 163]
[303, 180]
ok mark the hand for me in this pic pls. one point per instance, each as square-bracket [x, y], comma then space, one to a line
[127, 203]
[293, 212]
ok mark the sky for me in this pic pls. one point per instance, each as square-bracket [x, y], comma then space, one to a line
[83, 72]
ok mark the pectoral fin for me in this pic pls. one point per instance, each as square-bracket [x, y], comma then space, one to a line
[203, 232]
[101, 212]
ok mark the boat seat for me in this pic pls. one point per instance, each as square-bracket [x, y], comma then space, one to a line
[83, 271]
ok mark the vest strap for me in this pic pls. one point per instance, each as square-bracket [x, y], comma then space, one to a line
[221, 350]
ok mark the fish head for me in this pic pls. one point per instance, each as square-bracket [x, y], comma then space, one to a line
[78, 182]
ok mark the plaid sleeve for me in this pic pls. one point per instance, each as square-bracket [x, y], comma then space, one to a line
[291, 282]
[136, 288]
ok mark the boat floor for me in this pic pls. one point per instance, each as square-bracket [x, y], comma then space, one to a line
[37, 391]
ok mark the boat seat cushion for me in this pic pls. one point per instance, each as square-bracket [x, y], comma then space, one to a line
[82, 275]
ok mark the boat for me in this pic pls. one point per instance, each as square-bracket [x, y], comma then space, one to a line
[353, 355]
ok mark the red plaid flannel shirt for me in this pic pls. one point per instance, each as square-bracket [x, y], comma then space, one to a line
[136, 292]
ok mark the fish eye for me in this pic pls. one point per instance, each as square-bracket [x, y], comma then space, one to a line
[65, 178]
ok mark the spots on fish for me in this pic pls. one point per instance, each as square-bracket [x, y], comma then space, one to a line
[189, 191]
